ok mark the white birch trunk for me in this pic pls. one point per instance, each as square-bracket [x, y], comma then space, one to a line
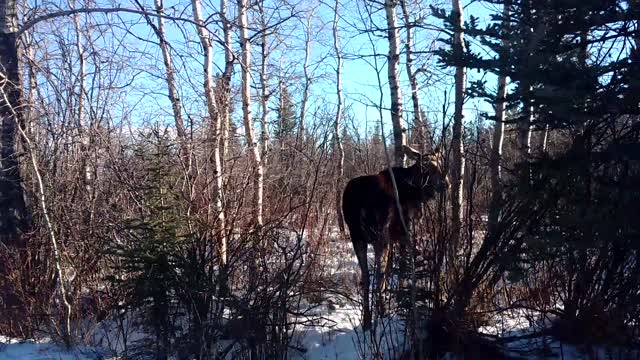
[83, 129]
[264, 91]
[307, 79]
[393, 65]
[226, 81]
[417, 114]
[337, 125]
[217, 191]
[172, 86]
[254, 152]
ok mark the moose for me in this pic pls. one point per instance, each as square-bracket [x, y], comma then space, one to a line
[370, 209]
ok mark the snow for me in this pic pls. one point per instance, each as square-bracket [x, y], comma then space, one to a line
[333, 331]
[339, 336]
[43, 349]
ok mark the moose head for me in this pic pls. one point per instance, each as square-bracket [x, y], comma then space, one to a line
[427, 172]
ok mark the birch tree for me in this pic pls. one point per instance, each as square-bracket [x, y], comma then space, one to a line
[457, 144]
[393, 68]
[226, 80]
[339, 151]
[254, 151]
[83, 129]
[172, 87]
[217, 191]
[307, 77]
[264, 83]
[408, 48]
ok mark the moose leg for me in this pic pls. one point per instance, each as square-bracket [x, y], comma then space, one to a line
[383, 259]
[360, 248]
[399, 236]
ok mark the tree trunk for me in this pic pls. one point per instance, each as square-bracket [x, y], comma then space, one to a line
[13, 212]
[264, 91]
[498, 130]
[417, 113]
[83, 130]
[457, 144]
[226, 81]
[307, 80]
[393, 64]
[246, 112]
[172, 86]
[339, 151]
[217, 191]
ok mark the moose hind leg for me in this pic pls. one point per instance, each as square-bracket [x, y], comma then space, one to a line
[360, 247]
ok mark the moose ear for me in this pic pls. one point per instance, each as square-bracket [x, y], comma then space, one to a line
[411, 153]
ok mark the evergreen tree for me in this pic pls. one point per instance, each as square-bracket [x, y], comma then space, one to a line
[574, 75]
[149, 253]
[286, 115]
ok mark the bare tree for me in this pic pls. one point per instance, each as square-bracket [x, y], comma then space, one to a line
[457, 144]
[393, 67]
[226, 80]
[307, 77]
[339, 150]
[408, 48]
[265, 94]
[217, 191]
[172, 86]
[13, 211]
[83, 130]
[254, 151]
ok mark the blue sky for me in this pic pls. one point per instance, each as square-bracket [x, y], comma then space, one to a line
[147, 100]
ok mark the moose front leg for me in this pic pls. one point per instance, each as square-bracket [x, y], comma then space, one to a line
[401, 237]
[383, 268]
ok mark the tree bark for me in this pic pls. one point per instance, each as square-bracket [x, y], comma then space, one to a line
[83, 130]
[457, 144]
[498, 130]
[13, 212]
[254, 152]
[172, 86]
[217, 191]
[307, 80]
[264, 91]
[226, 82]
[339, 150]
[393, 64]
[417, 113]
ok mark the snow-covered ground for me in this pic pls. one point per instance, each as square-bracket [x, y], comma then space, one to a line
[335, 332]
[339, 336]
[44, 349]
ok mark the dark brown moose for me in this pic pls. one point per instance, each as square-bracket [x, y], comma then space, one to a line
[371, 213]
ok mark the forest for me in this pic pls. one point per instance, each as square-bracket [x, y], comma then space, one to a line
[331, 179]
